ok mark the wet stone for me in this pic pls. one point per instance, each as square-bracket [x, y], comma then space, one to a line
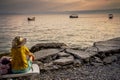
[46, 53]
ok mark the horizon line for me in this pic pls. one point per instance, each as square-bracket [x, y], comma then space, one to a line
[59, 12]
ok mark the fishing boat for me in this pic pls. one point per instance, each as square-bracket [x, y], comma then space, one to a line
[110, 16]
[73, 16]
[31, 19]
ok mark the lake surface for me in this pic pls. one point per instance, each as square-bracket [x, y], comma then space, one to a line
[78, 32]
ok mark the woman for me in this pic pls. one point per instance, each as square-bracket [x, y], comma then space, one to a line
[21, 56]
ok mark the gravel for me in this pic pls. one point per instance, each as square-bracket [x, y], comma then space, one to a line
[85, 72]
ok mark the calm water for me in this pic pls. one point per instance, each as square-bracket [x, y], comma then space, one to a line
[80, 32]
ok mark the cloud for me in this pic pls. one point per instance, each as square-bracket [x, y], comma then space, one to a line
[55, 5]
[93, 5]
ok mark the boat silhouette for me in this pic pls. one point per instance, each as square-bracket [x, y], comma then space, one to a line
[31, 19]
[110, 16]
[73, 16]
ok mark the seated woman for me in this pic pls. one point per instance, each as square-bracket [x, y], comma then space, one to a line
[21, 56]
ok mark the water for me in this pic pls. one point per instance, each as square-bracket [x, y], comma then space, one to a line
[80, 32]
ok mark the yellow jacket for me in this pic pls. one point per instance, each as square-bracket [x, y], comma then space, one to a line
[19, 58]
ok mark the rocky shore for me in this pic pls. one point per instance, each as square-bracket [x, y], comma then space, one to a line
[57, 61]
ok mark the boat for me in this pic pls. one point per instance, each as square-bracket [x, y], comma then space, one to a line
[110, 16]
[31, 19]
[73, 16]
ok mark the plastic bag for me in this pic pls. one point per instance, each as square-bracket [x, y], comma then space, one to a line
[5, 65]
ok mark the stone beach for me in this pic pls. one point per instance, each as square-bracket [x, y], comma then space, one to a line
[57, 61]
[98, 62]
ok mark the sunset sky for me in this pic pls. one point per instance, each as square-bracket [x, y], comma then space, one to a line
[56, 5]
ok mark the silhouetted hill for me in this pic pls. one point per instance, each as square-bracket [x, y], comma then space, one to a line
[65, 12]
[95, 11]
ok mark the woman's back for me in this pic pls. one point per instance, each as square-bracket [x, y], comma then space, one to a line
[19, 58]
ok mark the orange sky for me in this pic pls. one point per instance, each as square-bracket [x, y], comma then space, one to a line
[88, 4]
[56, 5]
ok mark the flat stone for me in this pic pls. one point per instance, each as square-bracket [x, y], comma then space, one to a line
[108, 45]
[46, 53]
[107, 48]
[64, 61]
[63, 54]
[109, 59]
[115, 39]
[80, 54]
[40, 46]
[34, 71]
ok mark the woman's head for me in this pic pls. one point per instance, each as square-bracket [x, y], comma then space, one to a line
[18, 41]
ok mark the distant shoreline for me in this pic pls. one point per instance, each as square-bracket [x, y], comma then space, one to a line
[65, 12]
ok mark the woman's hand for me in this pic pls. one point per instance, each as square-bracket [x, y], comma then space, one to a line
[31, 57]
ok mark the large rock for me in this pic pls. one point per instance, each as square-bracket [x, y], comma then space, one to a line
[40, 46]
[115, 39]
[46, 53]
[108, 45]
[107, 48]
[80, 54]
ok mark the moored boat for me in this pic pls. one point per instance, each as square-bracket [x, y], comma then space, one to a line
[110, 16]
[31, 19]
[73, 16]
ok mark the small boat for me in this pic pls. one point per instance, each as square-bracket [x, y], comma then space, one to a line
[31, 19]
[73, 16]
[110, 16]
